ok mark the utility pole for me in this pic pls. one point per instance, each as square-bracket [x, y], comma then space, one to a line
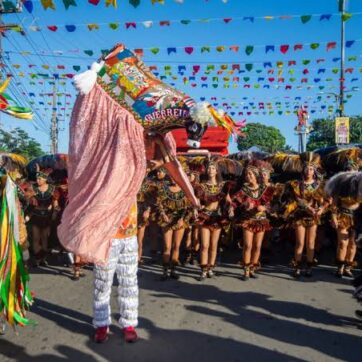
[54, 129]
[342, 8]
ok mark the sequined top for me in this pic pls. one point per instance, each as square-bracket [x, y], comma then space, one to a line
[208, 193]
[246, 201]
[299, 196]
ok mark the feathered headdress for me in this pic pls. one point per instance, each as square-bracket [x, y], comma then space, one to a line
[284, 162]
[227, 167]
[12, 161]
[291, 163]
[343, 159]
[196, 164]
[345, 184]
[310, 159]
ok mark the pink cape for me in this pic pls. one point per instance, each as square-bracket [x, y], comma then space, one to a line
[107, 164]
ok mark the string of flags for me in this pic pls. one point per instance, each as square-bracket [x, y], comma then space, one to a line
[147, 24]
[50, 4]
[206, 49]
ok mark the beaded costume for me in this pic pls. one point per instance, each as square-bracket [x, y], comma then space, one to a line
[42, 205]
[173, 204]
[209, 194]
[245, 203]
[300, 196]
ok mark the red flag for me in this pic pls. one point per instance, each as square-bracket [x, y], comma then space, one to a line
[298, 46]
[284, 48]
[331, 45]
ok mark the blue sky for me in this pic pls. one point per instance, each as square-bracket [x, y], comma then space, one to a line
[196, 34]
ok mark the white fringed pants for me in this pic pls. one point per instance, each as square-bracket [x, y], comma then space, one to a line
[123, 260]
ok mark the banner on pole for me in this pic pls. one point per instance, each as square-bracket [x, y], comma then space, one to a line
[342, 130]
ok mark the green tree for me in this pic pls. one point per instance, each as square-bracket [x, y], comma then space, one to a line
[323, 132]
[267, 138]
[18, 141]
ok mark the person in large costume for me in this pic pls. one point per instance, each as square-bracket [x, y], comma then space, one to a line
[120, 118]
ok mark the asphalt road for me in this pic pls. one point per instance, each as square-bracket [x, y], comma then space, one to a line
[273, 318]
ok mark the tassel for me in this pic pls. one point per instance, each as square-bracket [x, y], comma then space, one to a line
[85, 82]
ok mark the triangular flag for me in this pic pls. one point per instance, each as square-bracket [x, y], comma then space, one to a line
[249, 49]
[111, 2]
[47, 4]
[331, 45]
[52, 27]
[114, 26]
[68, 3]
[28, 4]
[94, 2]
[185, 22]
[135, 3]
[234, 48]
[93, 27]
[269, 48]
[155, 50]
[189, 50]
[70, 28]
[314, 46]
[346, 16]
[284, 48]
[305, 18]
[147, 23]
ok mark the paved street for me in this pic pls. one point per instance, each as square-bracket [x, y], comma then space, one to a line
[273, 318]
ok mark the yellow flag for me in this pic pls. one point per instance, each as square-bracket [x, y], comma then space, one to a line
[48, 4]
[111, 2]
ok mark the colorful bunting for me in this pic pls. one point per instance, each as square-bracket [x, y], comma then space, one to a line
[135, 3]
[346, 16]
[68, 3]
[305, 18]
[249, 49]
[28, 4]
[111, 2]
[47, 4]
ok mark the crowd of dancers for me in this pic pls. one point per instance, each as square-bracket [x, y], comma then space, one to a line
[244, 202]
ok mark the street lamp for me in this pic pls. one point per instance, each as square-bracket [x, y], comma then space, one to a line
[337, 97]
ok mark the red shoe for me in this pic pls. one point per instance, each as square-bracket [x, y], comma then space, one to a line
[130, 334]
[101, 334]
